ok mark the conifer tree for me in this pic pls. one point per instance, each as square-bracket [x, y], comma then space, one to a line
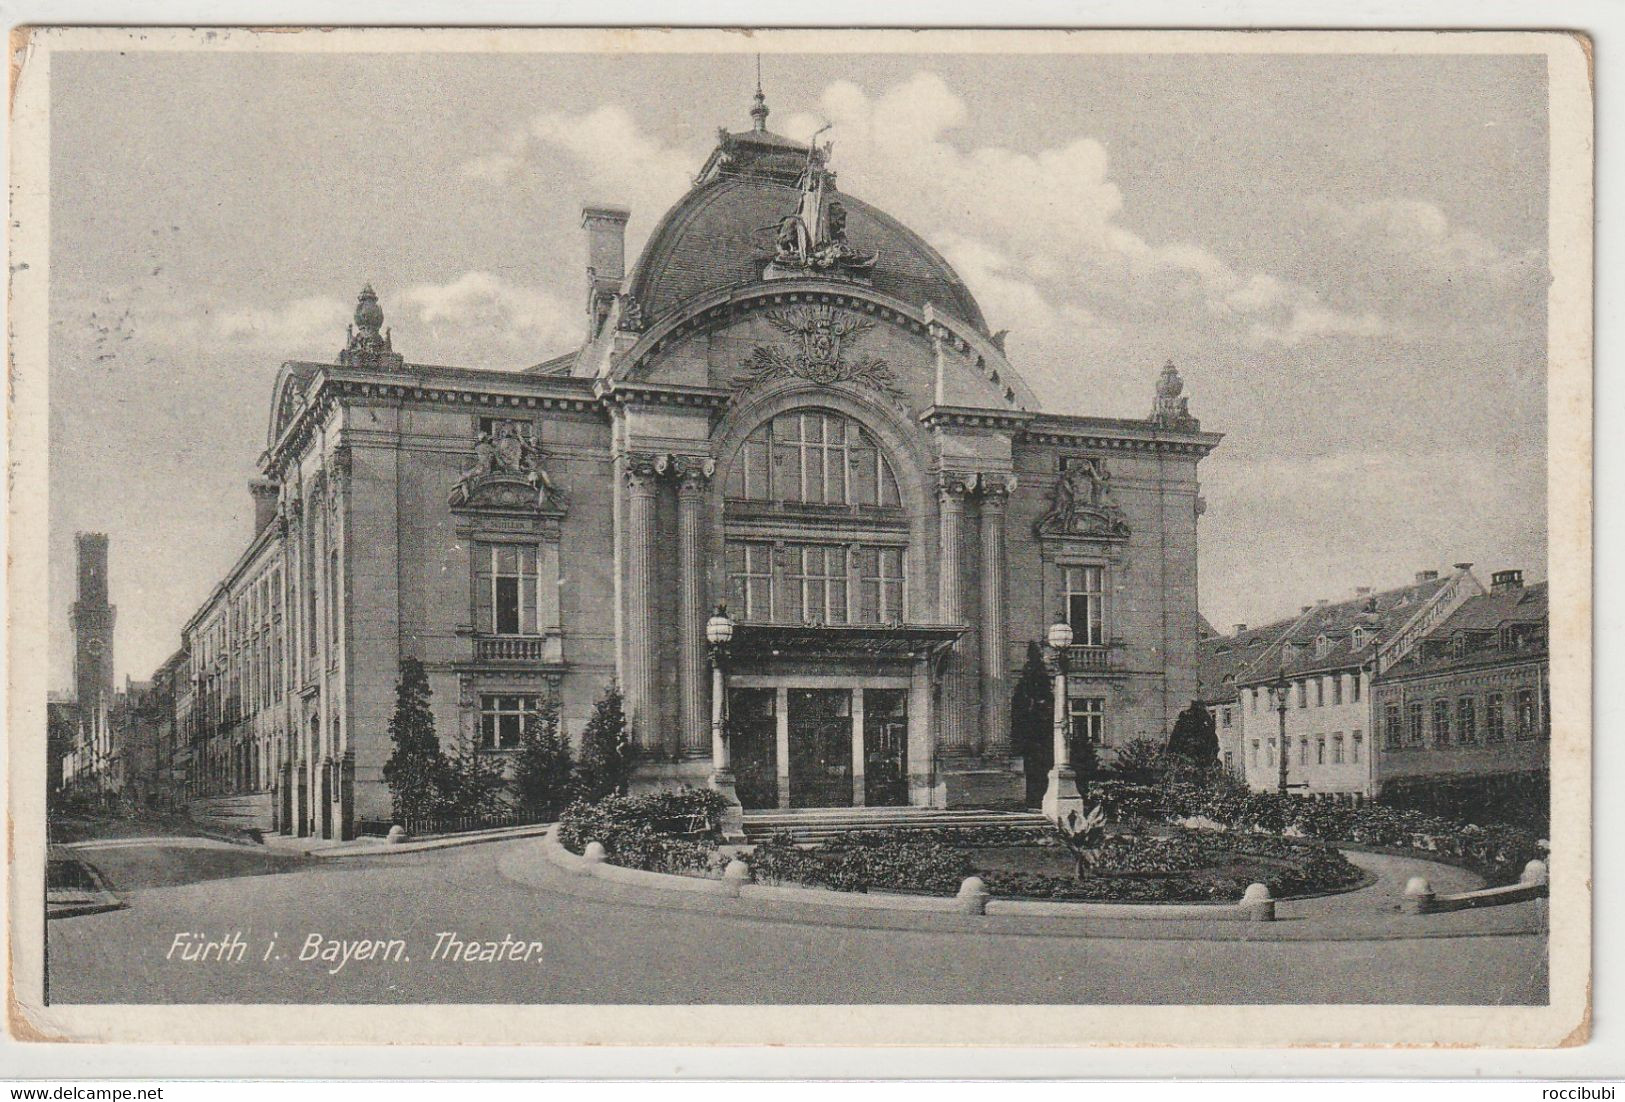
[416, 769]
[605, 767]
[542, 775]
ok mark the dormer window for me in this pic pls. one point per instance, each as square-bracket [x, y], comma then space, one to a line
[1357, 638]
[1322, 645]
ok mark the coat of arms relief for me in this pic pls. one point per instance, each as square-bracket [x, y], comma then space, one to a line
[819, 349]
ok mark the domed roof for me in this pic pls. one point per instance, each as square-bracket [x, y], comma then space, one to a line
[721, 234]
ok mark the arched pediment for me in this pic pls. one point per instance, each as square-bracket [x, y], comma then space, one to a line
[826, 333]
[288, 397]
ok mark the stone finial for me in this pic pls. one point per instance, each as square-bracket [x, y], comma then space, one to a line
[973, 896]
[368, 343]
[1534, 873]
[1171, 409]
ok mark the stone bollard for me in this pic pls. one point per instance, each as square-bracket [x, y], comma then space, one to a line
[1418, 896]
[735, 876]
[1257, 903]
[973, 896]
[397, 834]
[1534, 873]
[592, 855]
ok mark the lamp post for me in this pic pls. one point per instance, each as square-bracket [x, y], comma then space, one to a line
[1061, 796]
[1280, 688]
[719, 632]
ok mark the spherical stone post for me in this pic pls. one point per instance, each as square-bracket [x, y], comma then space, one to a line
[1419, 897]
[973, 896]
[397, 835]
[735, 876]
[1257, 903]
[1534, 874]
[592, 856]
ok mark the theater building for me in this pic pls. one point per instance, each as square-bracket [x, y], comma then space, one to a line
[790, 403]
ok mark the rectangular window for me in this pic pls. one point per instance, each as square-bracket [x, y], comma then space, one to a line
[1390, 725]
[1337, 748]
[1085, 591]
[1320, 750]
[1495, 718]
[1354, 687]
[1226, 717]
[1337, 688]
[881, 584]
[1255, 752]
[1088, 718]
[1355, 744]
[750, 577]
[1254, 693]
[508, 588]
[1545, 709]
[1303, 751]
[1271, 755]
[1527, 719]
[1320, 692]
[817, 579]
[1303, 694]
[502, 720]
[1466, 720]
[1441, 724]
[1416, 715]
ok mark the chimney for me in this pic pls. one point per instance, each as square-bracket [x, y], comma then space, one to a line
[1304, 609]
[1321, 603]
[1506, 581]
[1426, 576]
[1462, 567]
[1362, 591]
[265, 495]
[606, 259]
[1239, 629]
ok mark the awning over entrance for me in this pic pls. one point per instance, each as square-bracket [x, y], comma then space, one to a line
[889, 640]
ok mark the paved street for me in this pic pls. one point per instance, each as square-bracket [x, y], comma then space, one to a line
[606, 943]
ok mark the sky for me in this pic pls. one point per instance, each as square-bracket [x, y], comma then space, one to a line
[1344, 255]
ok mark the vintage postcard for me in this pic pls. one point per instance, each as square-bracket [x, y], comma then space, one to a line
[867, 537]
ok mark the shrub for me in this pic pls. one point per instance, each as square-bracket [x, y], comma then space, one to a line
[474, 782]
[661, 832]
[1140, 758]
[1194, 740]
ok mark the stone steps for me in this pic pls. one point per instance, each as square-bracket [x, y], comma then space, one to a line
[819, 823]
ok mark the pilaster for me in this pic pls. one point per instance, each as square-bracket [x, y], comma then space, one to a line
[642, 686]
[953, 736]
[693, 489]
[995, 686]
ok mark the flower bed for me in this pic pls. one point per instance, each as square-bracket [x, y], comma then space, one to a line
[1497, 852]
[1182, 867]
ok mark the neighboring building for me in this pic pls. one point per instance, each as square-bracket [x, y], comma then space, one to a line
[811, 421]
[1324, 660]
[1470, 708]
[92, 763]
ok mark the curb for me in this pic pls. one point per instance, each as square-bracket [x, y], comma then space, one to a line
[579, 865]
[381, 848]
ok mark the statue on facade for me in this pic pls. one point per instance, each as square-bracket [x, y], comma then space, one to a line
[812, 239]
[500, 459]
[1083, 505]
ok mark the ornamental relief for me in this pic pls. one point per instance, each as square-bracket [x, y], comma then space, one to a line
[505, 471]
[820, 346]
[1082, 504]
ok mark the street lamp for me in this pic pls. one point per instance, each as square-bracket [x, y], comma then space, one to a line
[1282, 688]
[1061, 796]
[719, 632]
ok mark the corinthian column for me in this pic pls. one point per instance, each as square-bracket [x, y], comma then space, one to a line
[995, 671]
[692, 486]
[950, 609]
[641, 689]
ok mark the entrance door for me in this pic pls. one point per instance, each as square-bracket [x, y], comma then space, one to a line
[754, 746]
[885, 747]
[820, 747]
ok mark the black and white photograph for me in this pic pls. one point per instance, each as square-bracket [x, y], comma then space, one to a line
[574, 523]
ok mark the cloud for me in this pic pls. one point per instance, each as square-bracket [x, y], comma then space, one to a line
[302, 323]
[480, 317]
[1049, 246]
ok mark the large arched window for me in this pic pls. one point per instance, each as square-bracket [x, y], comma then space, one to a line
[842, 557]
[815, 457]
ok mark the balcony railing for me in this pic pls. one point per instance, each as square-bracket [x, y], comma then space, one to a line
[510, 648]
[1080, 657]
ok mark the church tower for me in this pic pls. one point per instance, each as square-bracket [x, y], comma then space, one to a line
[92, 621]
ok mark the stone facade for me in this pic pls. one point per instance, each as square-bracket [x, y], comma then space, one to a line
[815, 427]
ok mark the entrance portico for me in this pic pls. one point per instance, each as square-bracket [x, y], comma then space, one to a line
[833, 717]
